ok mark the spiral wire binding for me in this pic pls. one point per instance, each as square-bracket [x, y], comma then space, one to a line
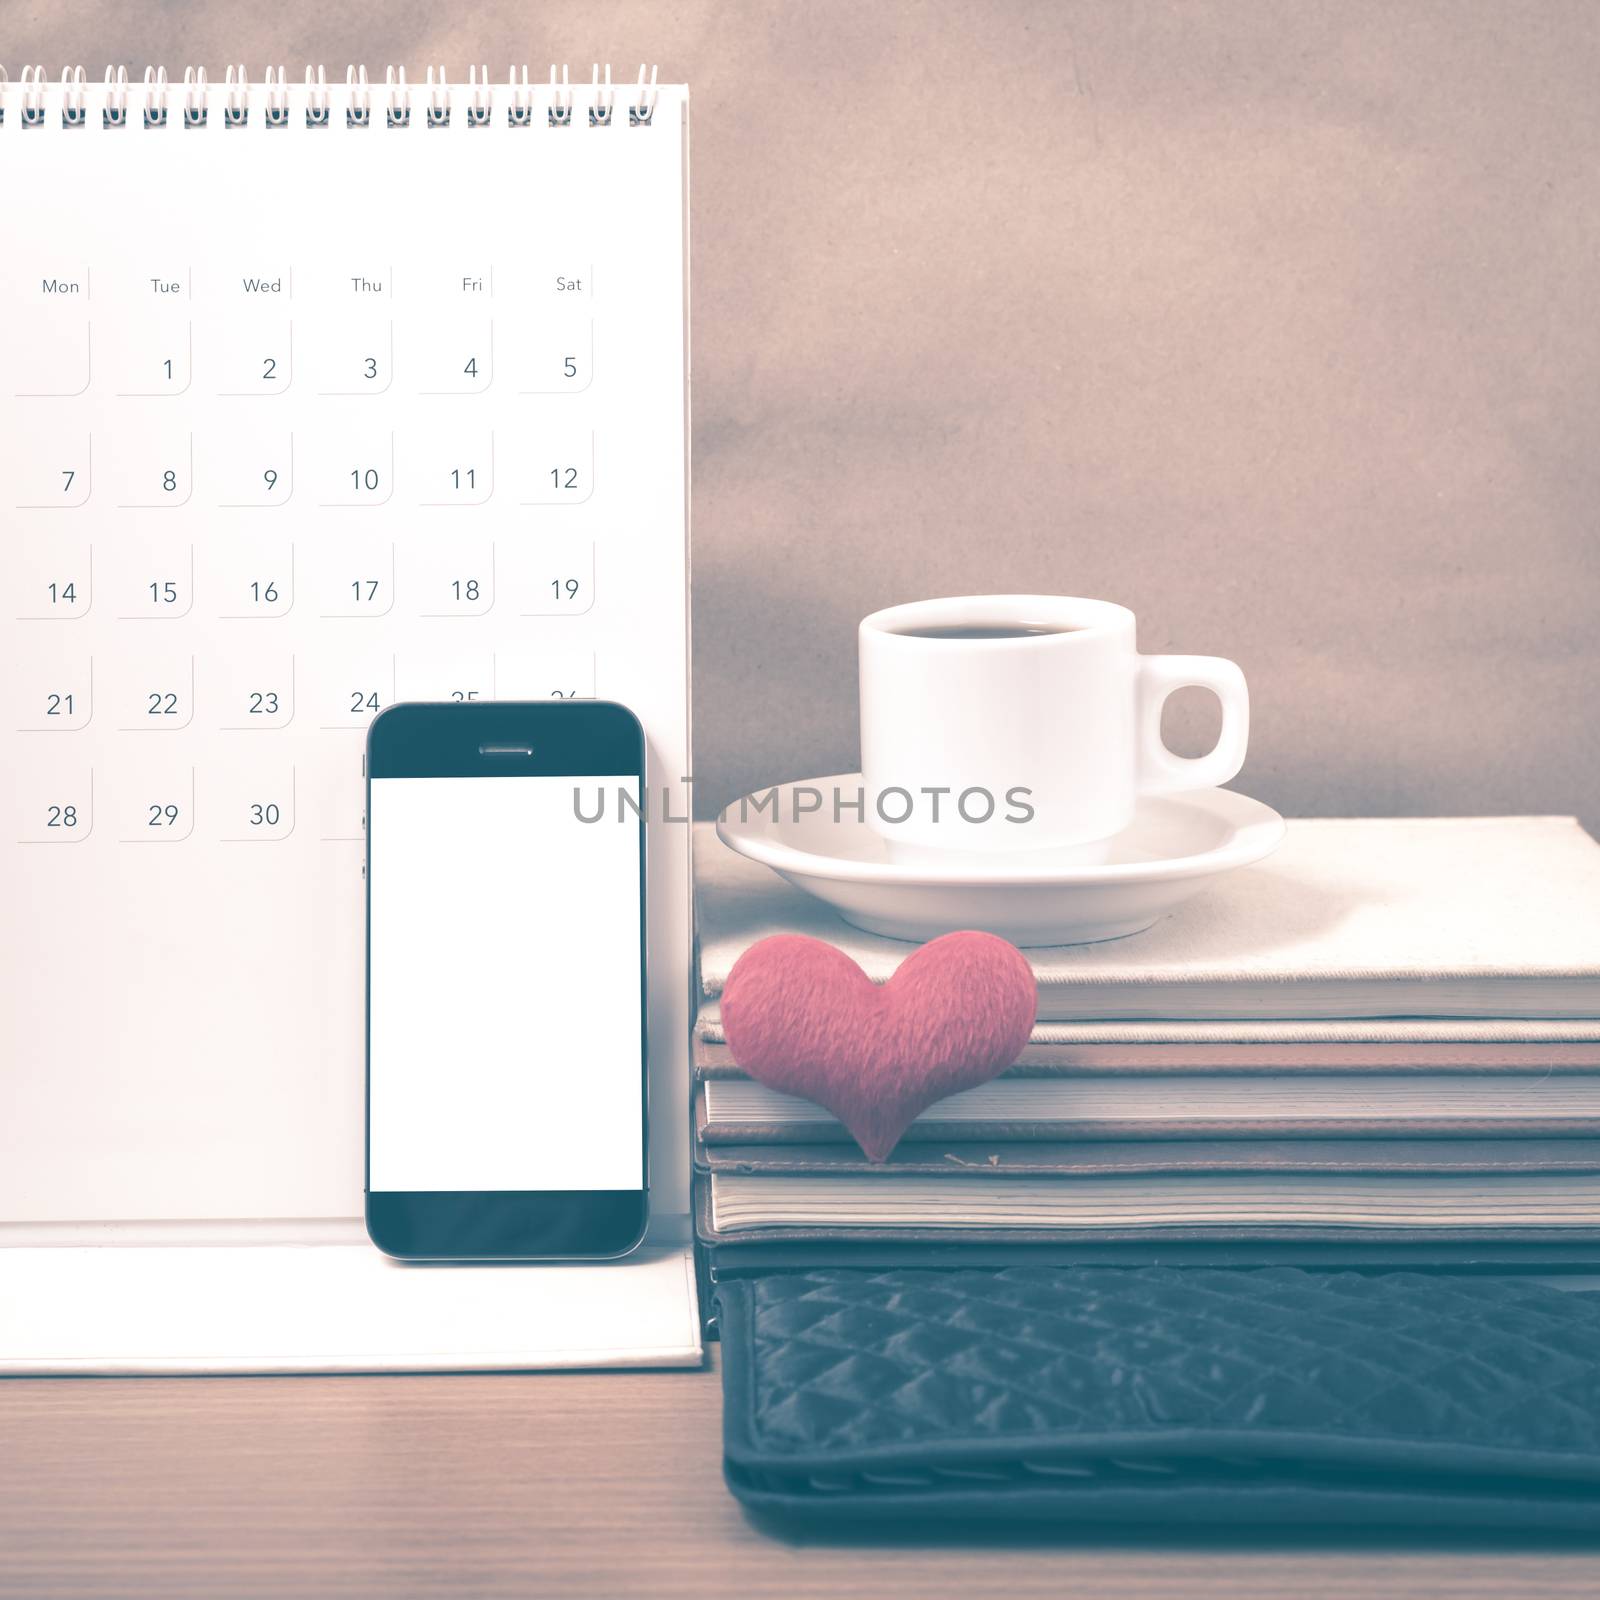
[481, 109]
[519, 114]
[438, 99]
[644, 102]
[478, 110]
[73, 114]
[194, 84]
[358, 114]
[317, 98]
[560, 99]
[399, 97]
[604, 101]
[277, 108]
[32, 112]
[114, 113]
[236, 113]
[155, 97]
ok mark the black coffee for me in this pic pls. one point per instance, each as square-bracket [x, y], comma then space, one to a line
[978, 630]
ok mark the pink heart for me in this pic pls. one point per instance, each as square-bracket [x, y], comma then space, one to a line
[803, 1018]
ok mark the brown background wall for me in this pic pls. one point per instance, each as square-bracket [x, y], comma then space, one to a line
[1277, 322]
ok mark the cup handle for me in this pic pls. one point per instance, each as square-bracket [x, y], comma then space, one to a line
[1159, 676]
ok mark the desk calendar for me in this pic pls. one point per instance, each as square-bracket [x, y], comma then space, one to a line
[313, 397]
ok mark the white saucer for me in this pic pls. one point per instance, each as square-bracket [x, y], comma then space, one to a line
[1175, 845]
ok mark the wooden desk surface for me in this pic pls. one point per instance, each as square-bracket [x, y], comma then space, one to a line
[563, 1484]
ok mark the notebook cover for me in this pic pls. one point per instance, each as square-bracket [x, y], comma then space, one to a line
[1083, 1157]
[1159, 1396]
[1424, 1033]
[1048, 1059]
[1275, 1244]
[1477, 916]
[1003, 1130]
[1559, 1258]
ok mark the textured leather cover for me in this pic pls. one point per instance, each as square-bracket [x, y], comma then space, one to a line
[1163, 1395]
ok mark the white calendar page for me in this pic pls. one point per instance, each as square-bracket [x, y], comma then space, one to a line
[296, 422]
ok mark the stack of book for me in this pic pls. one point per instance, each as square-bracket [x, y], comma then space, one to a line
[1380, 1046]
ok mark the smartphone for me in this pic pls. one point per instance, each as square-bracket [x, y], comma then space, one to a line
[506, 1022]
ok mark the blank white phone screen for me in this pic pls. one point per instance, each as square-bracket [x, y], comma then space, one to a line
[505, 1023]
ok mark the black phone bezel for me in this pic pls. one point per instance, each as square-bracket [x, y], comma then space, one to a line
[489, 740]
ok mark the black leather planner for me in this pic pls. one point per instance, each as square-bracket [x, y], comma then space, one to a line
[1099, 1396]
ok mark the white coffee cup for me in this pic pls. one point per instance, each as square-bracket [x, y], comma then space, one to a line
[1024, 722]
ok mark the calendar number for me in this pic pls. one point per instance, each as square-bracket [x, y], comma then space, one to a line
[263, 702]
[539, 676]
[340, 592]
[161, 476]
[448, 353]
[359, 471]
[163, 593]
[362, 701]
[62, 817]
[550, 485]
[454, 468]
[248, 466]
[453, 578]
[264, 815]
[557, 579]
[264, 594]
[251, 354]
[45, 460]
[551, 360]
[70, 705]
[162, 816]
[459, 695]
[349, 355]
[159, 704]
[63, 594]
